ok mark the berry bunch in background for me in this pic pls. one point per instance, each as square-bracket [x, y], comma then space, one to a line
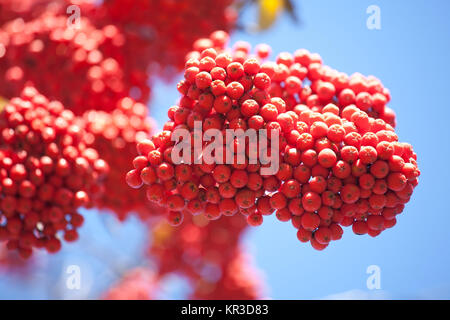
[115, 135]
[209, 255]
[68, 64]
[173, 29]
[197, 243]
[340, 161]
[12, 262]
[239, 280]
[136, 284]
[47, 173]
[98, 67]
[25, 9]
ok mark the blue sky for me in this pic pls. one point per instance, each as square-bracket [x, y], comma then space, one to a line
[409, 54]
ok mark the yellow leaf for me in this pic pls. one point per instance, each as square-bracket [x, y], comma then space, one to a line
[3, 103]
[161, 233]
[268, 12]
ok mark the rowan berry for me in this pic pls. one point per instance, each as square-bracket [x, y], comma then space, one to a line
[203, 80]
[385, 150]
[305, 141]
[165, 171]
[325, 213]
[222, 173]
[336, 133]
[410, 171]
[155, 157]
[228, 207]
[269, 112]
[302, 173]
[309, 157]
[396, 181]
[256, 122]
[390, 223]
[245, 198]
[318, 246]
[304, 235]
[286, 122]
[212, 195]
[327, 158]
[262, 80]
[255, 219]
[239, 178]
[155, 192]
[311, 201]
[175, 218]
[285, 171]
[175, 202]
[222, 104]
[223, 59]
[52, 245]
[249, 108]
[360, 227]
[342, 169]
[235, 90]
[295, 206]
[207, 63]
[336, 231]
[133, 179]
[194, 206]
[310, 221]
[369, 139]
[346, 97]
[271, 184]
[251, 66]
[322, 235]
[255, 181]
[283, 214]
[212, 211]
[350, 193]
[278, 201]
[366, 181]
[349, 154]
[325, 91]
[353, 139]
[379, 169]
[318, 184]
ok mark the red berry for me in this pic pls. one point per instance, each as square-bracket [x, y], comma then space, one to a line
[310, 221]
[311, 201]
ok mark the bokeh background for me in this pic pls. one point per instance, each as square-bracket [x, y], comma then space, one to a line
[410, 55]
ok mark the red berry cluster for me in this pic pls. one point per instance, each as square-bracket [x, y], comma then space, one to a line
[345, 168]
[173, 29]
[82, 68]
[198, 243]
[11, 261]
[114, 135]
[302, 78]
[136, 284]
[24, 9]
[46, 173]
[208, 254]
[340, 162]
